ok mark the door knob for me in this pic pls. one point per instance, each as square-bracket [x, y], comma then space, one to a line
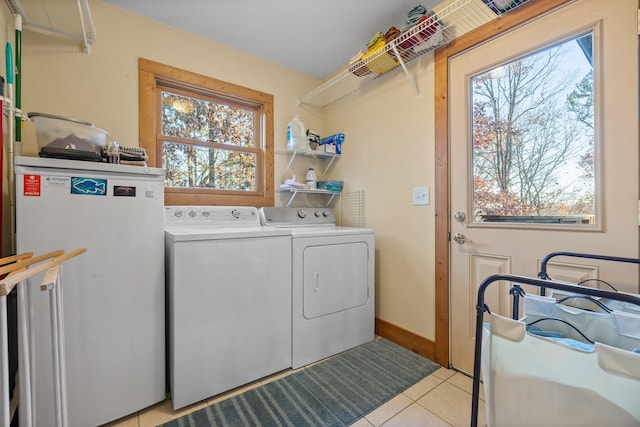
[459, 216]
[459, 238]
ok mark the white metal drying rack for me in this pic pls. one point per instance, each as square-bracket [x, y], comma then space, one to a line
[19, 268]
[454, 18]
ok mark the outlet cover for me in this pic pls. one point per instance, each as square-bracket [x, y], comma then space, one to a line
[420, 196]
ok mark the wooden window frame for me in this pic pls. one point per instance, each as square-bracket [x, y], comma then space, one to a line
[153, 75]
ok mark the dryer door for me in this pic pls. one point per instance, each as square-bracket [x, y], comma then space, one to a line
[335, 278]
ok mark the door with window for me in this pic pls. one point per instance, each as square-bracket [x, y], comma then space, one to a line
[544, 157]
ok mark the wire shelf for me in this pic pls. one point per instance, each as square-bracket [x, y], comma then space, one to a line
[450, 20]
[312, 190]
[309, 153]
[69, 19]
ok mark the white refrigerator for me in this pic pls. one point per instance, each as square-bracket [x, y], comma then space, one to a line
[112, 295]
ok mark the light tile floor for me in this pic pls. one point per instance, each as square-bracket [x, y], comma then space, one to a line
[442, 399]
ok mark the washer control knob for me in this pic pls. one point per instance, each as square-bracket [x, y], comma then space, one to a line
[326, 214]
[192, 213]
[206, 214]
[235, 213]
[317, 214]
[302, 214]
[178, 214]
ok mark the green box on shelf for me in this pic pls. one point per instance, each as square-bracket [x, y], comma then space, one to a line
[330, 185]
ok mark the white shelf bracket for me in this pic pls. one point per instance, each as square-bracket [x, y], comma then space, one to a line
[406, 72]
[326, 169]
[85, 41]
[288, 168]
[293, 196]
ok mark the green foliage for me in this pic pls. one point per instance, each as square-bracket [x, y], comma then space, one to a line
[580, 101]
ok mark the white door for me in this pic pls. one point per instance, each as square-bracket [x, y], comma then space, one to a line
[517, 245]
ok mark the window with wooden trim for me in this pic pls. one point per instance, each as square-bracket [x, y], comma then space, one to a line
[213, 138]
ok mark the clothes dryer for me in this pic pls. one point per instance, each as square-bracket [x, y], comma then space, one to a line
[332, 273]
[229, 300]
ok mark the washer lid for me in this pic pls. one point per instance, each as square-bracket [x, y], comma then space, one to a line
[195, 233]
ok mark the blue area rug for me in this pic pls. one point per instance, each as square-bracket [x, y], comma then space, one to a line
[335, 392]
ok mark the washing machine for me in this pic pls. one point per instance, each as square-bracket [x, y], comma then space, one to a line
[229, 300]
[333, 290]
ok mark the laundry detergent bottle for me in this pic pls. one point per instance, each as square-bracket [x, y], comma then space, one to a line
[296, 135]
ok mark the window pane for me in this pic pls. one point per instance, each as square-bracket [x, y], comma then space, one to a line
[191, 166]
[533, 138]
[204, 120]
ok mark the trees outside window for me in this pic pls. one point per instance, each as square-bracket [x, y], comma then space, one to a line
[533, 137]
[214, 139]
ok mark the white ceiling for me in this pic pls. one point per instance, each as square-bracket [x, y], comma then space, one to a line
[315, 37]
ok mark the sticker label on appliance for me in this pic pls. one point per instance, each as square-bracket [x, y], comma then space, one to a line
[124, 191]
[31, 186]
[56, 181]
[88, 186]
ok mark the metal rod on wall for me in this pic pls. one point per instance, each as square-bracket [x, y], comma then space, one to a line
[14, 123]
[10, 138]
[18, 76]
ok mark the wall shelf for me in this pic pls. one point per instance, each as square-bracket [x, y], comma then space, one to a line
[69, 19]
[308, 153]
[327, 160]
[453, 18]
[296, 191]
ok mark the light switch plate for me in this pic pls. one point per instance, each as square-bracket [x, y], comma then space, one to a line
[420, 196]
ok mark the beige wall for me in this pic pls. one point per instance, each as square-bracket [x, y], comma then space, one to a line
[388, 150]
[389, 133]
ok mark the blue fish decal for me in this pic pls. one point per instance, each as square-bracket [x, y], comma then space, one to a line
[91, 186]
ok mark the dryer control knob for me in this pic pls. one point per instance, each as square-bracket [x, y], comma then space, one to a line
[326, 213]
[193, 213]
[236, 213]
[302, 214]
[317, 214]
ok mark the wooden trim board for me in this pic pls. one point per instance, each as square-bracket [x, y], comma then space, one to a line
[504, 23]
[407, 339]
